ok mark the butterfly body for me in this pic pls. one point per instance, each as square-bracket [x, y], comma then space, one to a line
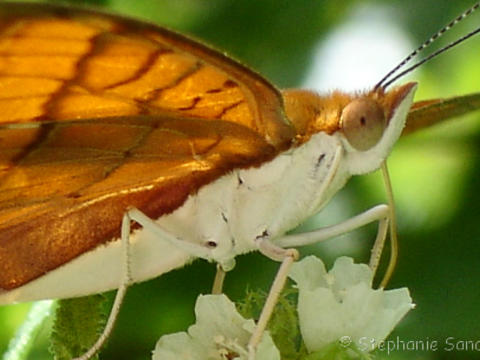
[132, 115]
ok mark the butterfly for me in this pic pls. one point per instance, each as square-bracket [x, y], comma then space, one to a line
[102, 114]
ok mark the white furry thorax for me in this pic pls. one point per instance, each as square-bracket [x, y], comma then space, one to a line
[246, 204]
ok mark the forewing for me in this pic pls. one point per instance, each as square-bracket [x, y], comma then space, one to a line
[101, 113]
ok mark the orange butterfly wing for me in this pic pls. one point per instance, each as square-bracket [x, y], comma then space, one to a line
[99, 113]
[429, 112]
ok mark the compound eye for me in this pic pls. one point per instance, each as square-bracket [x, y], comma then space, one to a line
[363, 123]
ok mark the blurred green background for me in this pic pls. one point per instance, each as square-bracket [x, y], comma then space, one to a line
[433, 172]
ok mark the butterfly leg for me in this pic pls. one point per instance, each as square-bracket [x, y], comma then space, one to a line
[287, 257]
[125, 238]
[218, 281]
[222, 270]
[283, 250]
[378, 213]
[147, 223]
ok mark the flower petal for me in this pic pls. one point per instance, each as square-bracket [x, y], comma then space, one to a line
[342, 303]
[220, 333]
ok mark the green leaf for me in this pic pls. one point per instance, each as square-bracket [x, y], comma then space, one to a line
[77, 325]
[283, 325]
[21, 344]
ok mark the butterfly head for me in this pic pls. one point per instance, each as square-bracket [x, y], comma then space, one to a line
[366, 124]
[371, 124]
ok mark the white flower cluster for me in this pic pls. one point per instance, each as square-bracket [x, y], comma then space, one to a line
[332, 306]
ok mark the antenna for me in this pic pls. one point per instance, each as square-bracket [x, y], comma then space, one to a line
[386, 81]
